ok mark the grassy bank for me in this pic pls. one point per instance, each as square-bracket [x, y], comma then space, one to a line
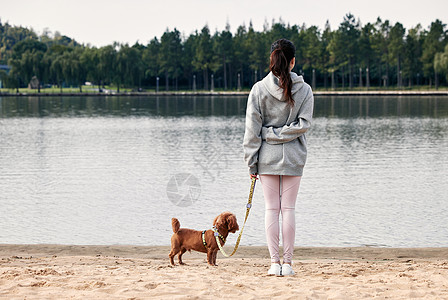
[110, 90]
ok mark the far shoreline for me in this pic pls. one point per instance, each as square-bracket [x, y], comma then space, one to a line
[227, 93]
[161, 252]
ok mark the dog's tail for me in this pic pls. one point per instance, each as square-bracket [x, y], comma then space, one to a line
[175, 224]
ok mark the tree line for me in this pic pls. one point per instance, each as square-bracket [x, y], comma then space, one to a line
[354, 55]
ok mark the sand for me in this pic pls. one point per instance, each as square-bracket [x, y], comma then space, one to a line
[130, 272]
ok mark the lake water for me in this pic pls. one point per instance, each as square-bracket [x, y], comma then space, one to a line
[86, 170]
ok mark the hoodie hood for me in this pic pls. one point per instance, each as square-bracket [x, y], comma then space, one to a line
[272, 85]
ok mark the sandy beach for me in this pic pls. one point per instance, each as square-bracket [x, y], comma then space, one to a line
[131, 272]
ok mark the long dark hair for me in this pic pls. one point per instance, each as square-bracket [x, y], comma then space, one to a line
[282, 51]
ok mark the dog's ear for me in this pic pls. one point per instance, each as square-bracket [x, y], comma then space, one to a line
[232, 223]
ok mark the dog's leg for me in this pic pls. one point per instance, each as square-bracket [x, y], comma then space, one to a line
[172, 254]
[210, 257]
[215, 253]
[180, 256]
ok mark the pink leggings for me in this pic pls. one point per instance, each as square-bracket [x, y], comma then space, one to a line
[280, 193]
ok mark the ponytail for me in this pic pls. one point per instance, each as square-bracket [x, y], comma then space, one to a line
[282, 52]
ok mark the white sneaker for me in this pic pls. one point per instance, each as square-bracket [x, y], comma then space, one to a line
[276, 269]
[287, 270]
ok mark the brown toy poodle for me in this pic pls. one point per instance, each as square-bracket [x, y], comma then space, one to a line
[185, 239]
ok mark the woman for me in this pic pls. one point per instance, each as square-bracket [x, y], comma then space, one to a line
[278, 115]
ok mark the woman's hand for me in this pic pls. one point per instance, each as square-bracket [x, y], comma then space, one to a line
[252, 176]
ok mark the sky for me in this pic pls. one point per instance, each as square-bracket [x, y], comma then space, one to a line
[101, 22]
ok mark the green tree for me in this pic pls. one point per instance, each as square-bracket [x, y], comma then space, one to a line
[135, 68]
[412, 53]
[57, 70]
[367, 53]
[170, 56]
[257, 46]
[9, 37]
[203, 58]
[344, 47]
[323, 61]
[223, 48]
[107, 59]
[27, 59]
[396, 48]
[189, 50]
[150, 59]
[441, 62]
[3, 77]
[311, 38]
[380, 46]
[350, 32]
[73, 72]
[387, 51]
[90, 60]
[240, 54]
[77, 69]
[278, 30]
[434, 41]
[130, 66]
[56, 64]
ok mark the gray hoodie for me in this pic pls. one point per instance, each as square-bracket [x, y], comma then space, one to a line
[274, 139]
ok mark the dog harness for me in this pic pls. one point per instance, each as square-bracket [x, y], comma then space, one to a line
[203, 239]
[203, 236]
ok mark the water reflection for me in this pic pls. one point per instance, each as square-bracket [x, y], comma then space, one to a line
[325, 106]
[122, 106]
[374, 106]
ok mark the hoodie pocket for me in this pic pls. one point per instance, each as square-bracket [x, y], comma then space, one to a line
[295, 152]
[270, 154]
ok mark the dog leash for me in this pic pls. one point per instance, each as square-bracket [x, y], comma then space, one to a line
[248, 206]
